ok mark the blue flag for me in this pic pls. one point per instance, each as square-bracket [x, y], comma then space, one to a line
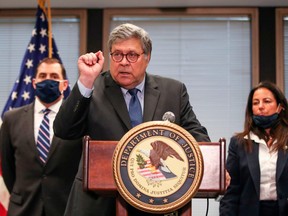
[23, 91]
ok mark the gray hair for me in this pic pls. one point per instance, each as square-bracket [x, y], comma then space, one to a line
[127, 31]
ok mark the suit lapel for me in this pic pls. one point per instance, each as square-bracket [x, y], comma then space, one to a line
[53, 146]
[253, 163]
[29, 117]
[281, 162]
[115, 96]
[151, 98]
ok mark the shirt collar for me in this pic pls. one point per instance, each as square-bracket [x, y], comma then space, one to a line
[140, 87]
[256, 139]
[39, 107]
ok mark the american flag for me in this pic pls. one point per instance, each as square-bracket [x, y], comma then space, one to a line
[37, 49]
[150, 172]
[23, 92]
[4, 196]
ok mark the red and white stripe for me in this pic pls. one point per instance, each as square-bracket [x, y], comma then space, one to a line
[150, 172]
[4, 196]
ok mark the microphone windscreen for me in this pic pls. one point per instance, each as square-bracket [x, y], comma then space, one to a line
[169, 116]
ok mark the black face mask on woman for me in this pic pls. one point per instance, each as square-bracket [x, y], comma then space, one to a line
[265, 121]
[48, 91]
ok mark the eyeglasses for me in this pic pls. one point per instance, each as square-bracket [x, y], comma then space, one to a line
[131, 56]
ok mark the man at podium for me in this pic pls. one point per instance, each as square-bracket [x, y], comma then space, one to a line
[106, 105]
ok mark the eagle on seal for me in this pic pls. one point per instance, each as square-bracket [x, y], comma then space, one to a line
[160, 152]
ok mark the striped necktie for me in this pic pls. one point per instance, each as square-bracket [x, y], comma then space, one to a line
[43, 139]
[135, 111]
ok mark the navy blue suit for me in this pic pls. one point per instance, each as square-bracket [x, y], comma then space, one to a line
[242, 195]
[35, 187]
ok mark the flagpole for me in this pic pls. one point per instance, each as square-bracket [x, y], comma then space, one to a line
[49, 31]
[41, 3]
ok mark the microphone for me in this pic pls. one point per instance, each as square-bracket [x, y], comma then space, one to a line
[169, 116]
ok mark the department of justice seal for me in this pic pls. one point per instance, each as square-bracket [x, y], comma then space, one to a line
[157, 167]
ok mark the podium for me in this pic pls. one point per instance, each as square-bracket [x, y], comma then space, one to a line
[98, 174]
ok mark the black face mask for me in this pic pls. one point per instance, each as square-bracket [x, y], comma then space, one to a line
[48, 91]
[265, 121]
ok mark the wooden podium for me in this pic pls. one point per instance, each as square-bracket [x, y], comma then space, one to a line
[98, 173]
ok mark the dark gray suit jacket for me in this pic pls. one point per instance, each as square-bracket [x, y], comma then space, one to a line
[242, 195]
[33, 186]
[104, 116]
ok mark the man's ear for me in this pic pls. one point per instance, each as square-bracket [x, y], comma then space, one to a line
[65, 84]
[34, 83]
[149, 57]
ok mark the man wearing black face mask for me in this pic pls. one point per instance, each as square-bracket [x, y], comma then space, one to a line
[39, 168]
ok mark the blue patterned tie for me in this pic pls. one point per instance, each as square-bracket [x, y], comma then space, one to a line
[43, 140]
[135, 111]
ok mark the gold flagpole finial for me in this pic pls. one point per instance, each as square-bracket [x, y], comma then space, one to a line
[41, 4]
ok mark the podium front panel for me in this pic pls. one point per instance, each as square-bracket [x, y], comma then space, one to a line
[98, 176]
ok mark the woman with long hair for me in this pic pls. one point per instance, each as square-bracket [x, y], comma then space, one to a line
[258, 157]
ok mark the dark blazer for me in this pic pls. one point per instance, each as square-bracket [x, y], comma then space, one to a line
[104, 116]
[35, 186]
[242, 195]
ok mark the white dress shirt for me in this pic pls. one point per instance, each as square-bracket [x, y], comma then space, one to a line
[140, 95]
[38, 116]
[267, 163]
